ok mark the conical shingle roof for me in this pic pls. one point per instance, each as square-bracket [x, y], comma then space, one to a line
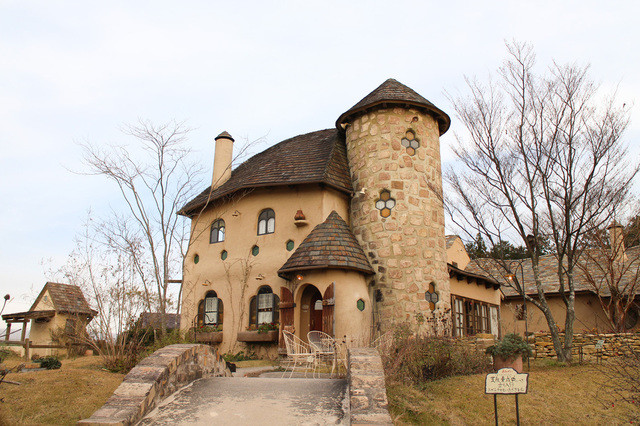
[330, 245]
[395, 93]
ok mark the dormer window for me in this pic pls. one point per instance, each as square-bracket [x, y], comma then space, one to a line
[217, 231]
[266, 222]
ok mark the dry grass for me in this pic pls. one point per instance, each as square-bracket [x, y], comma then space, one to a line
[58, 397]
[255, 363]
[557, 395]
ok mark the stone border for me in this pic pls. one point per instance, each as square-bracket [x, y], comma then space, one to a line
[367, 389]
[155, 378]
[615, 344]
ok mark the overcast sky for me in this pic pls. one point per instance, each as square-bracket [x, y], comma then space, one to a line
[72, 72]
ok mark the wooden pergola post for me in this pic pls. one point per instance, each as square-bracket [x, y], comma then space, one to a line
[8, 331]
[24, 330]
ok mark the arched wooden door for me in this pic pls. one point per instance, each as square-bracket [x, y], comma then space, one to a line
[286, 314]
[328, 302]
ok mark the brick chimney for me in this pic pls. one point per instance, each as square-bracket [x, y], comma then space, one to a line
[222, 159]
[616, 240]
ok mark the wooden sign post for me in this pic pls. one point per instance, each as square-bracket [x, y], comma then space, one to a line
[506, 381]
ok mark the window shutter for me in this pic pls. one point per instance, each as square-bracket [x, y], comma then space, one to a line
[253, 311]
[286, 314]
[328, 302]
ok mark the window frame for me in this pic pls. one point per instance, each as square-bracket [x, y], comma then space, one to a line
[271, 308]
[218, 312]
[220, 229]
[268, 218]
[470, 316]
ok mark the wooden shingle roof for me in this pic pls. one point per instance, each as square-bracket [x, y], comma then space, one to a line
[330, 245]
[392, 92]
[548, 270]
[317, 157]
[449, 240]
[65, 298]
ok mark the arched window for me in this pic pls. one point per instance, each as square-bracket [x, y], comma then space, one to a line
[263, 307]
[266, 222]
[217, 231]
[210, 310]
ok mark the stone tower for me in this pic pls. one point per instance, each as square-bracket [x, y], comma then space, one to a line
[397, 215]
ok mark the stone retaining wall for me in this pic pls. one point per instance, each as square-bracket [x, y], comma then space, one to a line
[367, 390]
[156, 377]
[614, 345]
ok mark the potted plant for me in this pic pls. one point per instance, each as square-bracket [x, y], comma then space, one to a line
[266, 332]
[209, 333]
[509, 352]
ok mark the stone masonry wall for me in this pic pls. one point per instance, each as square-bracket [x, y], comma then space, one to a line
[614, 345]
[367, 389]
[154, 378]
[406, 248]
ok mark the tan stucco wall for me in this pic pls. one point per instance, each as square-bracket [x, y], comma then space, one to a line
[238, 278]
[41, 333]
[349, 323]
[407, 249]
[45, 303]
[474, 291]
[589, 316]
[458, 254]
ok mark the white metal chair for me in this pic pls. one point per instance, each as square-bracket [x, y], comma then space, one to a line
[324, 347]
[299, 354]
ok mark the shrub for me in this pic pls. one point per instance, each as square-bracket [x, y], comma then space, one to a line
[264, 327]
[171, 338]
[510, 346]
[49, 362]
[417, 359]
[5, 353]
[240, 356]
[209, 328]
[621, 384]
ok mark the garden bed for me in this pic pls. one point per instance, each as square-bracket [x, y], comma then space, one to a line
[258, 336]
[209, 337]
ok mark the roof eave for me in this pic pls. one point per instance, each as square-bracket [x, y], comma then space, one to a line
[190, 212]
[443, 119]
[286, 273]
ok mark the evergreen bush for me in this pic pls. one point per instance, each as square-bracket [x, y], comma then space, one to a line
[510, 346]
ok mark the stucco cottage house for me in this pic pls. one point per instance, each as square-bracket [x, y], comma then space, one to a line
[58, 316]
[339, 230]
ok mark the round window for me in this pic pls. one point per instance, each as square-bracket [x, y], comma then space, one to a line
[196, 258]
[223, 254]
[360, 304]
[290, 245]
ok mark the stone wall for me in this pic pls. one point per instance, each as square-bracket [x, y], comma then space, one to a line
[155, 378]
[614, 345]
[367, 389]
[405, 242]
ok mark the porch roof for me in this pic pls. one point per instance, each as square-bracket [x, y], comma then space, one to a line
[29, 315]
[330, 245]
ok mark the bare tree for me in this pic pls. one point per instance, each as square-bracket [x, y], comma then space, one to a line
[109, 278]
[542, 158]
[613, 273]
[155, 178]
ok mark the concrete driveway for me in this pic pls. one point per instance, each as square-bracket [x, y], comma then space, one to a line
[255, 401]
